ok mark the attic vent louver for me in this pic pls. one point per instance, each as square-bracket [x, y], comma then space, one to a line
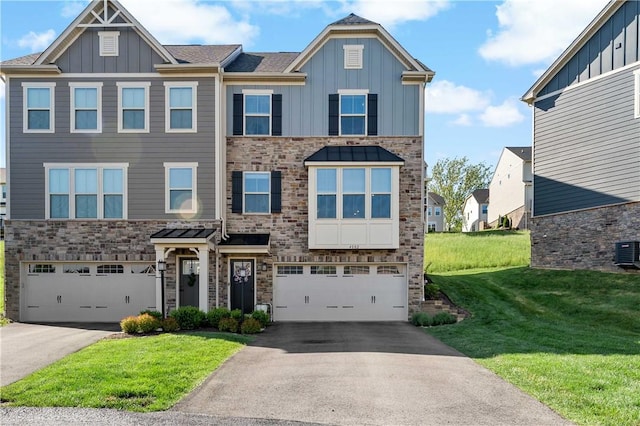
[109, 43]
[353, 56]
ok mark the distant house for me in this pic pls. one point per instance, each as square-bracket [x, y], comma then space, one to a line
[434, 217]
[511, 189]
[475, 211]
[586, 146]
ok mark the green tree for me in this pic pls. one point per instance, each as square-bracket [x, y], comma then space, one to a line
[454, 179]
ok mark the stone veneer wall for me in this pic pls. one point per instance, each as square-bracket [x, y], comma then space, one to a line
[289, 229]
[519, 219]
[73, 240]
[584, 239]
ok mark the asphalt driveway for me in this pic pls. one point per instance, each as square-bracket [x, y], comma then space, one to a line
[361, 373]
[25, 348]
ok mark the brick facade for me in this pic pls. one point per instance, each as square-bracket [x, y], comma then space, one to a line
[584, 239]
[519, 219]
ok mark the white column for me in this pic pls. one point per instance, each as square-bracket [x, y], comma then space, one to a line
[203, 288]
[159, 256]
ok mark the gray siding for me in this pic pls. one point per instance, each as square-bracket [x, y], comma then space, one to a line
[587, 146]
[83, 56]
[305, 108]
[145, 152]
[615, 45]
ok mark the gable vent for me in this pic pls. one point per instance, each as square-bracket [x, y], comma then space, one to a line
[353, 56]
[108, 43]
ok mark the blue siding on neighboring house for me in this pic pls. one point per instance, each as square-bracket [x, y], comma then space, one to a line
[305, 108]
[145, 152]
[587, 146]
[616, 44]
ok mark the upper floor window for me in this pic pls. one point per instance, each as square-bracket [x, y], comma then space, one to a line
[438, 211]
[133, 107]
[86, 191]
[636, 75]
[257, 113]
[353, 113]
[429, 210]
[485, 208]
[181, 112]
[180, 187]
[109, 43]
[256, 192]
[39, 107]
[353, 56]
[86, 107]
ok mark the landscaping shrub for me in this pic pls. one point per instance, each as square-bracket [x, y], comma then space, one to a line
[228, 324]
[188, 317]
[421, 319]
[170, 325]
[250, 326]
[442, 318]
[147, 323]
[156, 314]
[215, 315]
[236, 314]
[129, 325]
[431, 291]
[262, 317]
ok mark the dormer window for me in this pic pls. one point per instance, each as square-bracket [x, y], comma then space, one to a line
[109, 43]
[353, 56]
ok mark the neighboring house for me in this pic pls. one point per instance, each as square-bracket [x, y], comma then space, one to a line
[586, 145]
[434, 215]
[3, 199]
[510, 188]
[475, 210]
[280, 179]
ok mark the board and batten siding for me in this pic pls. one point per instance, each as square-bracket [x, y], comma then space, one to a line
[305, 108]
[587, 146]
[615, 45]
[146, 153]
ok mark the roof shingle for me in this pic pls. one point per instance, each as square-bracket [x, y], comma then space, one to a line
[262, 62]
[353, 153]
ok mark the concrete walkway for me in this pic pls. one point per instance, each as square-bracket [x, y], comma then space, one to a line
[361, 373]
[25, 348]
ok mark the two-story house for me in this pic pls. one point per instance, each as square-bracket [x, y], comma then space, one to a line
[149, 176]
[511, 188]
[475, 210]
[434, 214]
[586, 145]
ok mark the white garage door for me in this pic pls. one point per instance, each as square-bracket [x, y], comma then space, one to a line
[91, 292]
[360, 292]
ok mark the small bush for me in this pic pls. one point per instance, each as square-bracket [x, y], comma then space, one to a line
[250, 326]
[188, 317]
[431, 291]
[156, 314]
[215, 315]
[236, 314]
[442, 318]
[228, 324]
[421, 319]
[262, 317]
[129, 325]
[147, 323]
[170, 325]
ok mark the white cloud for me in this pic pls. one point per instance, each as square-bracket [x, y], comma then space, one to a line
[37, 41]
[71, 9]
[534, 31]
[207, 23]
[445, 97]
[392, 13]
[503, 115]
[462, 120]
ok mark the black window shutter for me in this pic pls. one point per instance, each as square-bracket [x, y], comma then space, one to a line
[372, 114]
[276, 191]
[236, 192]
[276, 115]
[334, 114]
[238, 111]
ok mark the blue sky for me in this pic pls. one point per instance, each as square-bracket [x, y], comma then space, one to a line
[486, 54]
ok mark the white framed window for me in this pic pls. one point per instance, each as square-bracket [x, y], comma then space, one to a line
[133, 107]
[429, 211]
[86, 107]
[353, 56]
[257, 112]
[109, 45]
[181, 107]
[256, 190]
[438, 211]
[431, 227]
[181, 187]
[86, 191]
[38, 107]
[353, 112]
[636, 75]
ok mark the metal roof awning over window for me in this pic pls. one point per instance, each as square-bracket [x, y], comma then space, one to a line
[182, 236]
[353, 154]
[245, 243]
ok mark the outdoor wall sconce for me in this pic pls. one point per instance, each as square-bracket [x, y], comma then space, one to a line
[264, 266]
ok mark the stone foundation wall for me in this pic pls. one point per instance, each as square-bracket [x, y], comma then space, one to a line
[519, 219]
[584, 239]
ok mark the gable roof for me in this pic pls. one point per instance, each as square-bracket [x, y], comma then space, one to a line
[524, 152]
[437, 198]
[262, 62]
[573, 48]
[202, 54]
[480, 195]
[352, 19]
[351, 153]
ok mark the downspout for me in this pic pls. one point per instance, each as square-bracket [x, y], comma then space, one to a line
[5, 80]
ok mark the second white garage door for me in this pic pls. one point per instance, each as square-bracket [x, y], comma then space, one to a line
[323, 292]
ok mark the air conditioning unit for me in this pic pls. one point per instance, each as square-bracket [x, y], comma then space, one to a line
[628, 254]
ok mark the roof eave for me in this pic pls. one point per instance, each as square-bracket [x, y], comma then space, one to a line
[209, 68]
[29, 69]
[264, 77]
[352, 163]
[417, 76]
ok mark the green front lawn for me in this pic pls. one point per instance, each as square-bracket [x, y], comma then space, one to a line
[138, 374]
[571, 339]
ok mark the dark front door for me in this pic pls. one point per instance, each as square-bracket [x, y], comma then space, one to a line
[242, 284]
[189, 281]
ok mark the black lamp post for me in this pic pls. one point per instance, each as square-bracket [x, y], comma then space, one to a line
[162, 267]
